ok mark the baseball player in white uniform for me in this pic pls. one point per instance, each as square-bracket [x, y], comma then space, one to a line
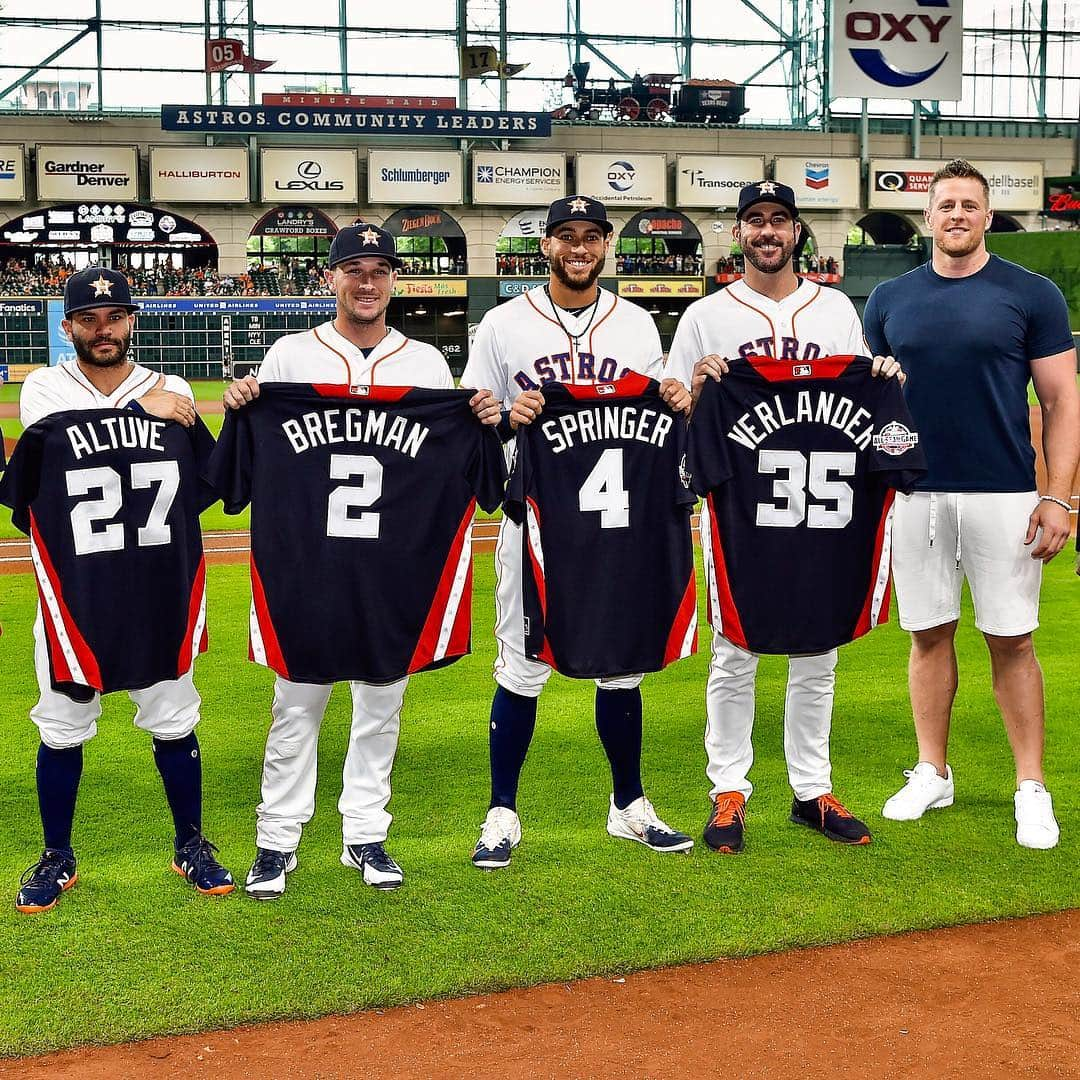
[569, 331]
[769, 312]
[356, 348]
[99, 318]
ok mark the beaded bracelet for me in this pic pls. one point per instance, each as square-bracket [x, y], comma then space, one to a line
[1054, 499]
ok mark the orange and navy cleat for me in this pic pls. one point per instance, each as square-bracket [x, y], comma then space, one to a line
[828, 815]
[195, 861]
[41, 885]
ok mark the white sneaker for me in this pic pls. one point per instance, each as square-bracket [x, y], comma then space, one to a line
[639, 822]
[500, 833]
[1036, 826]
[924, 790]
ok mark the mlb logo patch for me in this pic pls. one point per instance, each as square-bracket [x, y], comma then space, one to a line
[817, 175]
[485, 174]
[895, 439]
[605, 388]
[360, 391]
[802, 370]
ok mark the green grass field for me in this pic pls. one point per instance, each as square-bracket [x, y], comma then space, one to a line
[132, 951]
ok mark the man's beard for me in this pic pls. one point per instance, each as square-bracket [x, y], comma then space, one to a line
[774, 266]
[84, 350]
[565, 279]
[354, 316]
[970, 243]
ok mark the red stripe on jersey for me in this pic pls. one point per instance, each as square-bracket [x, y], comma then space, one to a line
[461, 635]
[773, 370]
[362, 391]
[198, 590]
[632, 385]
[683, 617]
[729, 613]
[537, 569]
[865, 623]
[428, 642]
[275, 659]
[87, 659]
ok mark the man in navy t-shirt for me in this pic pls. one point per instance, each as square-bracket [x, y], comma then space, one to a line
[970, 330]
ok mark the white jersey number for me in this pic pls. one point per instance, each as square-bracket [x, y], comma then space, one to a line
[605, 492]
[344, 499]
[790, 488]
[86, 515]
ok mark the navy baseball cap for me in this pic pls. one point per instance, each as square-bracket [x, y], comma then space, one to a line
[362, 240]
[766, 191]
[94, 287]
[577, 208]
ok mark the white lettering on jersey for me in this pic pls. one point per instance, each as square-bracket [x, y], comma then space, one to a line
[113, 432]
[819, 407]
[355, 426]
[607, 422]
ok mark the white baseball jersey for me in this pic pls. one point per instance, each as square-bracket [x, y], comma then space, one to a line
[322, 355]
[521, 345]
[813, 321]
[63, 387]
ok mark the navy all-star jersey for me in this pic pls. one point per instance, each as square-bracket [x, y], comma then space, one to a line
[110, 499]
[799, 462]
[362, 500]
[607, 554]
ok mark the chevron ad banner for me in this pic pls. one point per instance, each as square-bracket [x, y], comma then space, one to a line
[908, 49]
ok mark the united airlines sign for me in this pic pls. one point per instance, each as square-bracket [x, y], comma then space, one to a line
[906, 49]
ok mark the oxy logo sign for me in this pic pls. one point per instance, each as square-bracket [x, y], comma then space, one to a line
[897, 49]
[620, 175]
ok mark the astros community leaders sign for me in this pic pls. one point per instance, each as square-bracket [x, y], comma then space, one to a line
[325, 121]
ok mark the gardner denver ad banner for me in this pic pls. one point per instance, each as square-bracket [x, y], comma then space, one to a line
[199, 174]
[907, 49]
[825, 183]
[87, 173]
[308, 176]
[713, 180]
[903, 184]
[623, 179]
[502, 179]
[415, 176]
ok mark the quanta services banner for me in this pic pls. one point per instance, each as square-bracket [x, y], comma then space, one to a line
[828, 183]
[309, 175]
[338, 121]
[12, 172]
[87, 173]
[623, 179]
[509, 179]
[415, 176]
[213, 174]
[900, 184]
[714, 180]
[906, 49]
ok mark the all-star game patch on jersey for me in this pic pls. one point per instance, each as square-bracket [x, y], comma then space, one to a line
[362, 499]
[110, 499]
[799, 462]
[609, 584]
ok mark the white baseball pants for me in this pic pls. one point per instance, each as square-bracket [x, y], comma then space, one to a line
[729, 707]
[291, 760]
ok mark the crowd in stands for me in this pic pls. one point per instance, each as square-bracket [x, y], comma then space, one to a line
[661, 265]
[808, 264]
[527, 264]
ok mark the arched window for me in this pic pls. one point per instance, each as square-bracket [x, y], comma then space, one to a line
[56, 99]
[42, 99]
[71, 101]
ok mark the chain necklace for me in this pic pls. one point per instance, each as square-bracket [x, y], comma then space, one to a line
[574, 338]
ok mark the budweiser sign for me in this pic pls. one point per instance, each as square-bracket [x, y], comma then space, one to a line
[1062, 196]
[1064, 203]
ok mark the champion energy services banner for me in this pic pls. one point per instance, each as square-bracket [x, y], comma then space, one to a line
[623, 179]
[308, 176]
[12, 173]
[87, 173]
[714, 180]
[415, 176]
[193, 174]
[907, 49]
[508, 179]
[827, 183]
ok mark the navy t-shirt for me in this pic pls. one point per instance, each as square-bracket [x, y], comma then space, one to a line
[967, 346]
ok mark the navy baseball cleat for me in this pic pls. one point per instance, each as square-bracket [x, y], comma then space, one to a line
[41, 884]
[828, 815]
[195, 861]
[726, 825]
[499, 835]
[378, 868]
[266, 878]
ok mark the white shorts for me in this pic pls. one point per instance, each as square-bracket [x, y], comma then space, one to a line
[939, 538]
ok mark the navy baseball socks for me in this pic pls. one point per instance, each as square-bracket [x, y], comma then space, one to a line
[180, 765]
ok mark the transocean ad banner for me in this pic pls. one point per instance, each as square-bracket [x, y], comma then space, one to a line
[415, 176]
[907, 49]
[87, 173]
